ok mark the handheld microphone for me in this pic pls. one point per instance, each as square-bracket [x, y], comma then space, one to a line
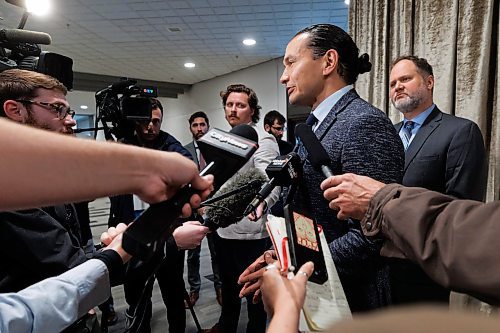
[317, 154]
[24, 36]
[234, 155]
[231, 209]
[282, 171]
[151, 228]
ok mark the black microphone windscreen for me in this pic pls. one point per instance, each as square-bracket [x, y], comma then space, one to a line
[245, 131]
[230, 210]
[317, 154]
[24, 36]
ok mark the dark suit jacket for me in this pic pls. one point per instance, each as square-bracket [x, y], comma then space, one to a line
[447, 155]
[285, 147]
[36, 244]
[359, 138]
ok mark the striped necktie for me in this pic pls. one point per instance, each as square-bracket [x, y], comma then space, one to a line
[407, 128]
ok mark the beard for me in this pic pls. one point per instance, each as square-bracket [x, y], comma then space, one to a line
[409, 103]
[197, 136]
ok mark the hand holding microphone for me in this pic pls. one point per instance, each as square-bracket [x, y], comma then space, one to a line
[228, 153]
[189, 235]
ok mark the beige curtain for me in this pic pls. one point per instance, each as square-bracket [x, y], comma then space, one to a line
[460, 40]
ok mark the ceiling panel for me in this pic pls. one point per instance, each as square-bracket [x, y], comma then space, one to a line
[133, 37]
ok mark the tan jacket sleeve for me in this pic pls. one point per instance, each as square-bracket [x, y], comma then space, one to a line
[456, 242]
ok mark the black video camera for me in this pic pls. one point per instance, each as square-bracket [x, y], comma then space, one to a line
[120, 104]
[19, 49]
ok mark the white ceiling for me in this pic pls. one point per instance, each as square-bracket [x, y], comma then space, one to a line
[132, 37]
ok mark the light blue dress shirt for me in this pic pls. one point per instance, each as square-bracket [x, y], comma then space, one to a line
[326, 106]
[418, 121]
[55, 303]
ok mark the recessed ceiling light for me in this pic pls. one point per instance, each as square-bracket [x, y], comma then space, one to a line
[347, 2]
[249, 42]
[84, 107]
[189, 65]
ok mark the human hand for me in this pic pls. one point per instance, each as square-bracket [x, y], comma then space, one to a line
[165, 173]
[251, 276]
[113, 240]
[282, 294]
[350, 194]
[189, 235]
[259, 211]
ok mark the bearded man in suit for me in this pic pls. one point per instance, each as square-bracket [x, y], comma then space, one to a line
[443, 153]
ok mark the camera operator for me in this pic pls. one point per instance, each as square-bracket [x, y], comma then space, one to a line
[167, 267]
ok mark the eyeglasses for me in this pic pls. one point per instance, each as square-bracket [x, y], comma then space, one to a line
[61, 109]
[279, 128]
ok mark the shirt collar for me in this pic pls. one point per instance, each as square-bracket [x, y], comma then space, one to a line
[324, 107]
[419, 120]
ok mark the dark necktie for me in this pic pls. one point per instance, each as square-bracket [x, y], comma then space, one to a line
[407, 128]
[202, 163]
[311, 120]
[201, 160]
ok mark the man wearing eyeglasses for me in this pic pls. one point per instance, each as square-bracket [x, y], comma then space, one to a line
[47, 108]
[39, 104]
[274, 124]
[37, 243]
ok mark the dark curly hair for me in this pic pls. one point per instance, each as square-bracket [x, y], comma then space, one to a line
[198, 114]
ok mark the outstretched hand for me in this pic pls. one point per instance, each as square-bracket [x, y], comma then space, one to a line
[251, 276]
[189, 235]
[165, 173]
[278, 290]
[113, 240]
[350, 194]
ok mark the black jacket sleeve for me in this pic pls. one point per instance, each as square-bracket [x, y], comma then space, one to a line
[34, 246]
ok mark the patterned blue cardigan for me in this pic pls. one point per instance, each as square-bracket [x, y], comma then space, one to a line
[359, 138]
